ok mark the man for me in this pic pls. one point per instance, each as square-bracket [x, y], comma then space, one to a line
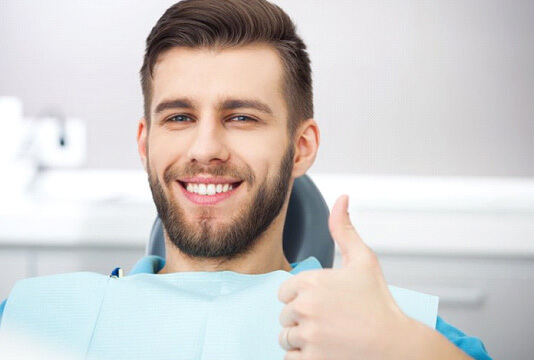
[228, 125]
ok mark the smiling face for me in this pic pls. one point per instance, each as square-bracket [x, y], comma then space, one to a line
[217, 150]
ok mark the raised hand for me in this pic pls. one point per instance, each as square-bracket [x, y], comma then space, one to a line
[349, 313]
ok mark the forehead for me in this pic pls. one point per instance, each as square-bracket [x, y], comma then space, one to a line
[207, 75]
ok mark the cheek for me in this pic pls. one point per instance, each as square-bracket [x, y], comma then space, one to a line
[162, 151]
[262, 155]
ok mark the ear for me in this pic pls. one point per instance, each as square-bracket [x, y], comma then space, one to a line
[142, 133]
[306, 145]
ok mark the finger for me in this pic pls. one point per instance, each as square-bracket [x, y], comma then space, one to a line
[288, 316]
[292, 286]
[295, 354]
[290, 339]
[344, 234]
[288, 290]
[283, 338]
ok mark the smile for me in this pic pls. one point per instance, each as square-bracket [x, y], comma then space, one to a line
[208, 191]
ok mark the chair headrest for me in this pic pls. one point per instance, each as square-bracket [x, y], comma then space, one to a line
[305, 231]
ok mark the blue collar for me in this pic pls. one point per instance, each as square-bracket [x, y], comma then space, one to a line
[152, 264]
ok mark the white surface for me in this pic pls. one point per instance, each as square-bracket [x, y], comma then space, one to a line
[393, 214]
[462, 216]
[90, 207]
[420, 193]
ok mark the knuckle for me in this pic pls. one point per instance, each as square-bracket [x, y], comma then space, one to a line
[369, 260]
[347, 226]
[304, 308]
[297, 336]
[308, 281]
[293, 313]
[311, 334]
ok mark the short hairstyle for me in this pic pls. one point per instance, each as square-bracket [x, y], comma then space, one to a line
[230, 23]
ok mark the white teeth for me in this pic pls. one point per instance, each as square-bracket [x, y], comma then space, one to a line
[208, 189]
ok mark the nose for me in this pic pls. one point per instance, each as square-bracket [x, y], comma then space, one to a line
[208, 145]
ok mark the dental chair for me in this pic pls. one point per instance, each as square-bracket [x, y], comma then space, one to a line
[305, 232]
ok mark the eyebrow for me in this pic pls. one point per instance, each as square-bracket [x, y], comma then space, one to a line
[232, 104]
[229, 104]
[181, 103]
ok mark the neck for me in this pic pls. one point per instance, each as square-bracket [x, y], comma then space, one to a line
[267, 255]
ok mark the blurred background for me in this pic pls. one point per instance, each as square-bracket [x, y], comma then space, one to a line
[426, 114]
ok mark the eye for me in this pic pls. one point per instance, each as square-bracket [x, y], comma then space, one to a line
[242, 118]
[179, 119]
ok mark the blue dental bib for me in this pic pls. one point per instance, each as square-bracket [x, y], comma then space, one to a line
[190, 315]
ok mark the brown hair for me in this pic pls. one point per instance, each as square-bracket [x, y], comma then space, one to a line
[229, 23]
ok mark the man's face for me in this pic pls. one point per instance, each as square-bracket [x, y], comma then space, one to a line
[218, 152]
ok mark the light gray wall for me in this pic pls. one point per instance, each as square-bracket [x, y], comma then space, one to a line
[410, 87]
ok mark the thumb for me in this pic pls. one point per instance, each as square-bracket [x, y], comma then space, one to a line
[343, 233]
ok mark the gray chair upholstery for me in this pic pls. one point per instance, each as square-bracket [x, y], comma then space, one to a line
[305, 232]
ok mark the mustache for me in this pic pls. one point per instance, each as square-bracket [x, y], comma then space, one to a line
[172, 172]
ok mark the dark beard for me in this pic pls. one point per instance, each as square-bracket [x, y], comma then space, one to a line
[232, 240]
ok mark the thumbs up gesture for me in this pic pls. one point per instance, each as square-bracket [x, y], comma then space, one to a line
[349, 313]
